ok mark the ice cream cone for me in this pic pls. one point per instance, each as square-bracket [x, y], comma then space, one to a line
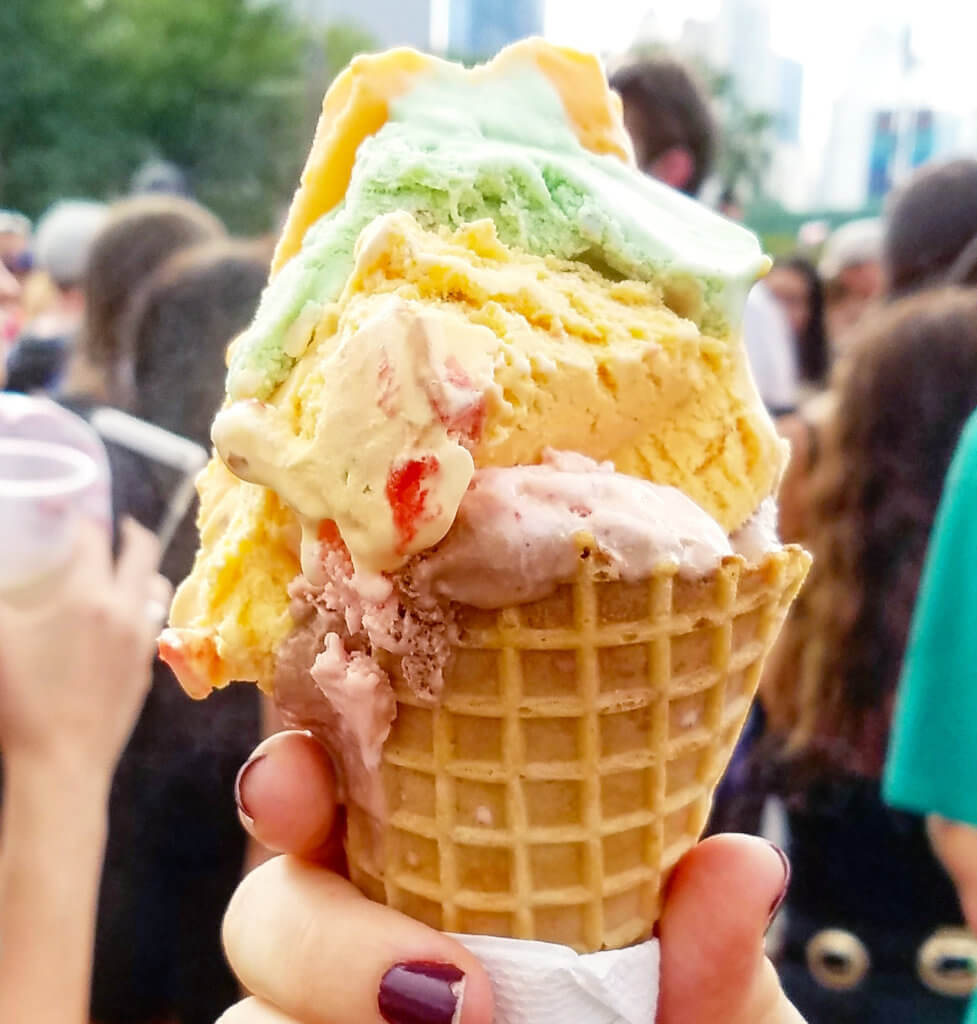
[573, 756]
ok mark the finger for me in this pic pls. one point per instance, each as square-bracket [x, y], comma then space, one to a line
[157, 606]
[160, 590]
[92, 561]
[253, 1011]
[138, 558]
[88, 572]
[717, 909]
[304, 940]
[286, 795]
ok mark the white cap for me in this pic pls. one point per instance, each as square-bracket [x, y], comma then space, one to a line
[858, 241]
[64, 238]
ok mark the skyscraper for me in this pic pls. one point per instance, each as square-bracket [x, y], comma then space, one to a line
[739, 41]
[479, 28]
[789, 95]
[889, 119]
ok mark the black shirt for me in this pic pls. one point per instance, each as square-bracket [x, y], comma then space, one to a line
[175, 847]
[36, 363]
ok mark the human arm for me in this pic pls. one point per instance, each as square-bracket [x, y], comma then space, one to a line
[955, 844]
[74, 671]
[313, 950]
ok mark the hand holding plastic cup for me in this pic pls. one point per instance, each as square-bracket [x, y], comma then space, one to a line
[53, 475]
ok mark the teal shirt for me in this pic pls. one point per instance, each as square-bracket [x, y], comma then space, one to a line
[932, 762]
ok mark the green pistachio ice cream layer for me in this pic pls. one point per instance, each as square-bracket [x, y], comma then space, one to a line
[454, 151]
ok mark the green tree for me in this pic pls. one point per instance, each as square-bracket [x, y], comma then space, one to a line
[341, 42]
[746, 143]
[92, 88]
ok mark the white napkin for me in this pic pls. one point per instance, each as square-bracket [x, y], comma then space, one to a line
[542, 983]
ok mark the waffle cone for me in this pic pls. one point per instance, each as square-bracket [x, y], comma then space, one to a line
[572, 759]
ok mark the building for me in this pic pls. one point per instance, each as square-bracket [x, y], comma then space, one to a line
[744, 32]
[400, 23]
[790, 92]
[892, 116]
[480, 28]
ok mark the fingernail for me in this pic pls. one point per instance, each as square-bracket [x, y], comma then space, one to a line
[782, 894]
[422, 993]
[239, 783]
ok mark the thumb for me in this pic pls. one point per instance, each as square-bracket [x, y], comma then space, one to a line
[717, 909]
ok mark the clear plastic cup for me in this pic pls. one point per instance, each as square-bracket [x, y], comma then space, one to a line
[46, 490]
[31, 418]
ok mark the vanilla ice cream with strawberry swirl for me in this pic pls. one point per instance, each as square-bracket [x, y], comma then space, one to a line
[389, 461]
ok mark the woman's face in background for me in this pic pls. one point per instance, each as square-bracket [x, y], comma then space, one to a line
[847, 297]
[791, 290]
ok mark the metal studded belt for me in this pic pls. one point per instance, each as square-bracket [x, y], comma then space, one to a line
[945, 962]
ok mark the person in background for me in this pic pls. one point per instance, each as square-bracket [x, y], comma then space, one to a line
[139, 235]
[9, 298]
[62, 247]
[175, 850]
[929, 236]
[15, 262]
[175, 331]
[770, 349]
[730, 205]
[794, 282]
[667, 114]
[851, 269]
[15, 243]
[867, 893]
[160, 177]
[931, 228]
[930, 767]
[74, 670]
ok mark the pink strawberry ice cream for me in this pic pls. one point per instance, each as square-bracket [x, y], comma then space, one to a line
[520, 533]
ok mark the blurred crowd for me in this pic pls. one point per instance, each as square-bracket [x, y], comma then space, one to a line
[131, 305]
[864, 349]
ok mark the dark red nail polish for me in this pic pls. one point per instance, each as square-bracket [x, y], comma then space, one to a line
[781, 896]
[238, 782]
[421, 993]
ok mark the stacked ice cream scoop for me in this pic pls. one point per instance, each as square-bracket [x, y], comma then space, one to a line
[491, 509]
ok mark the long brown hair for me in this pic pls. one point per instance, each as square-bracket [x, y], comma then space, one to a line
[903, 396]
[931, 220]
[139, 236]
[178, 326]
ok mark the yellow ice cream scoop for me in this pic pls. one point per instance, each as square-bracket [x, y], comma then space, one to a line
[450, 351]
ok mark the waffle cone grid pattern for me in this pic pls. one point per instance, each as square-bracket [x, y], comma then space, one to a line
[573, 758]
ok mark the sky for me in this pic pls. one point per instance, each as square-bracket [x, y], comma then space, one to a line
[822, 36]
